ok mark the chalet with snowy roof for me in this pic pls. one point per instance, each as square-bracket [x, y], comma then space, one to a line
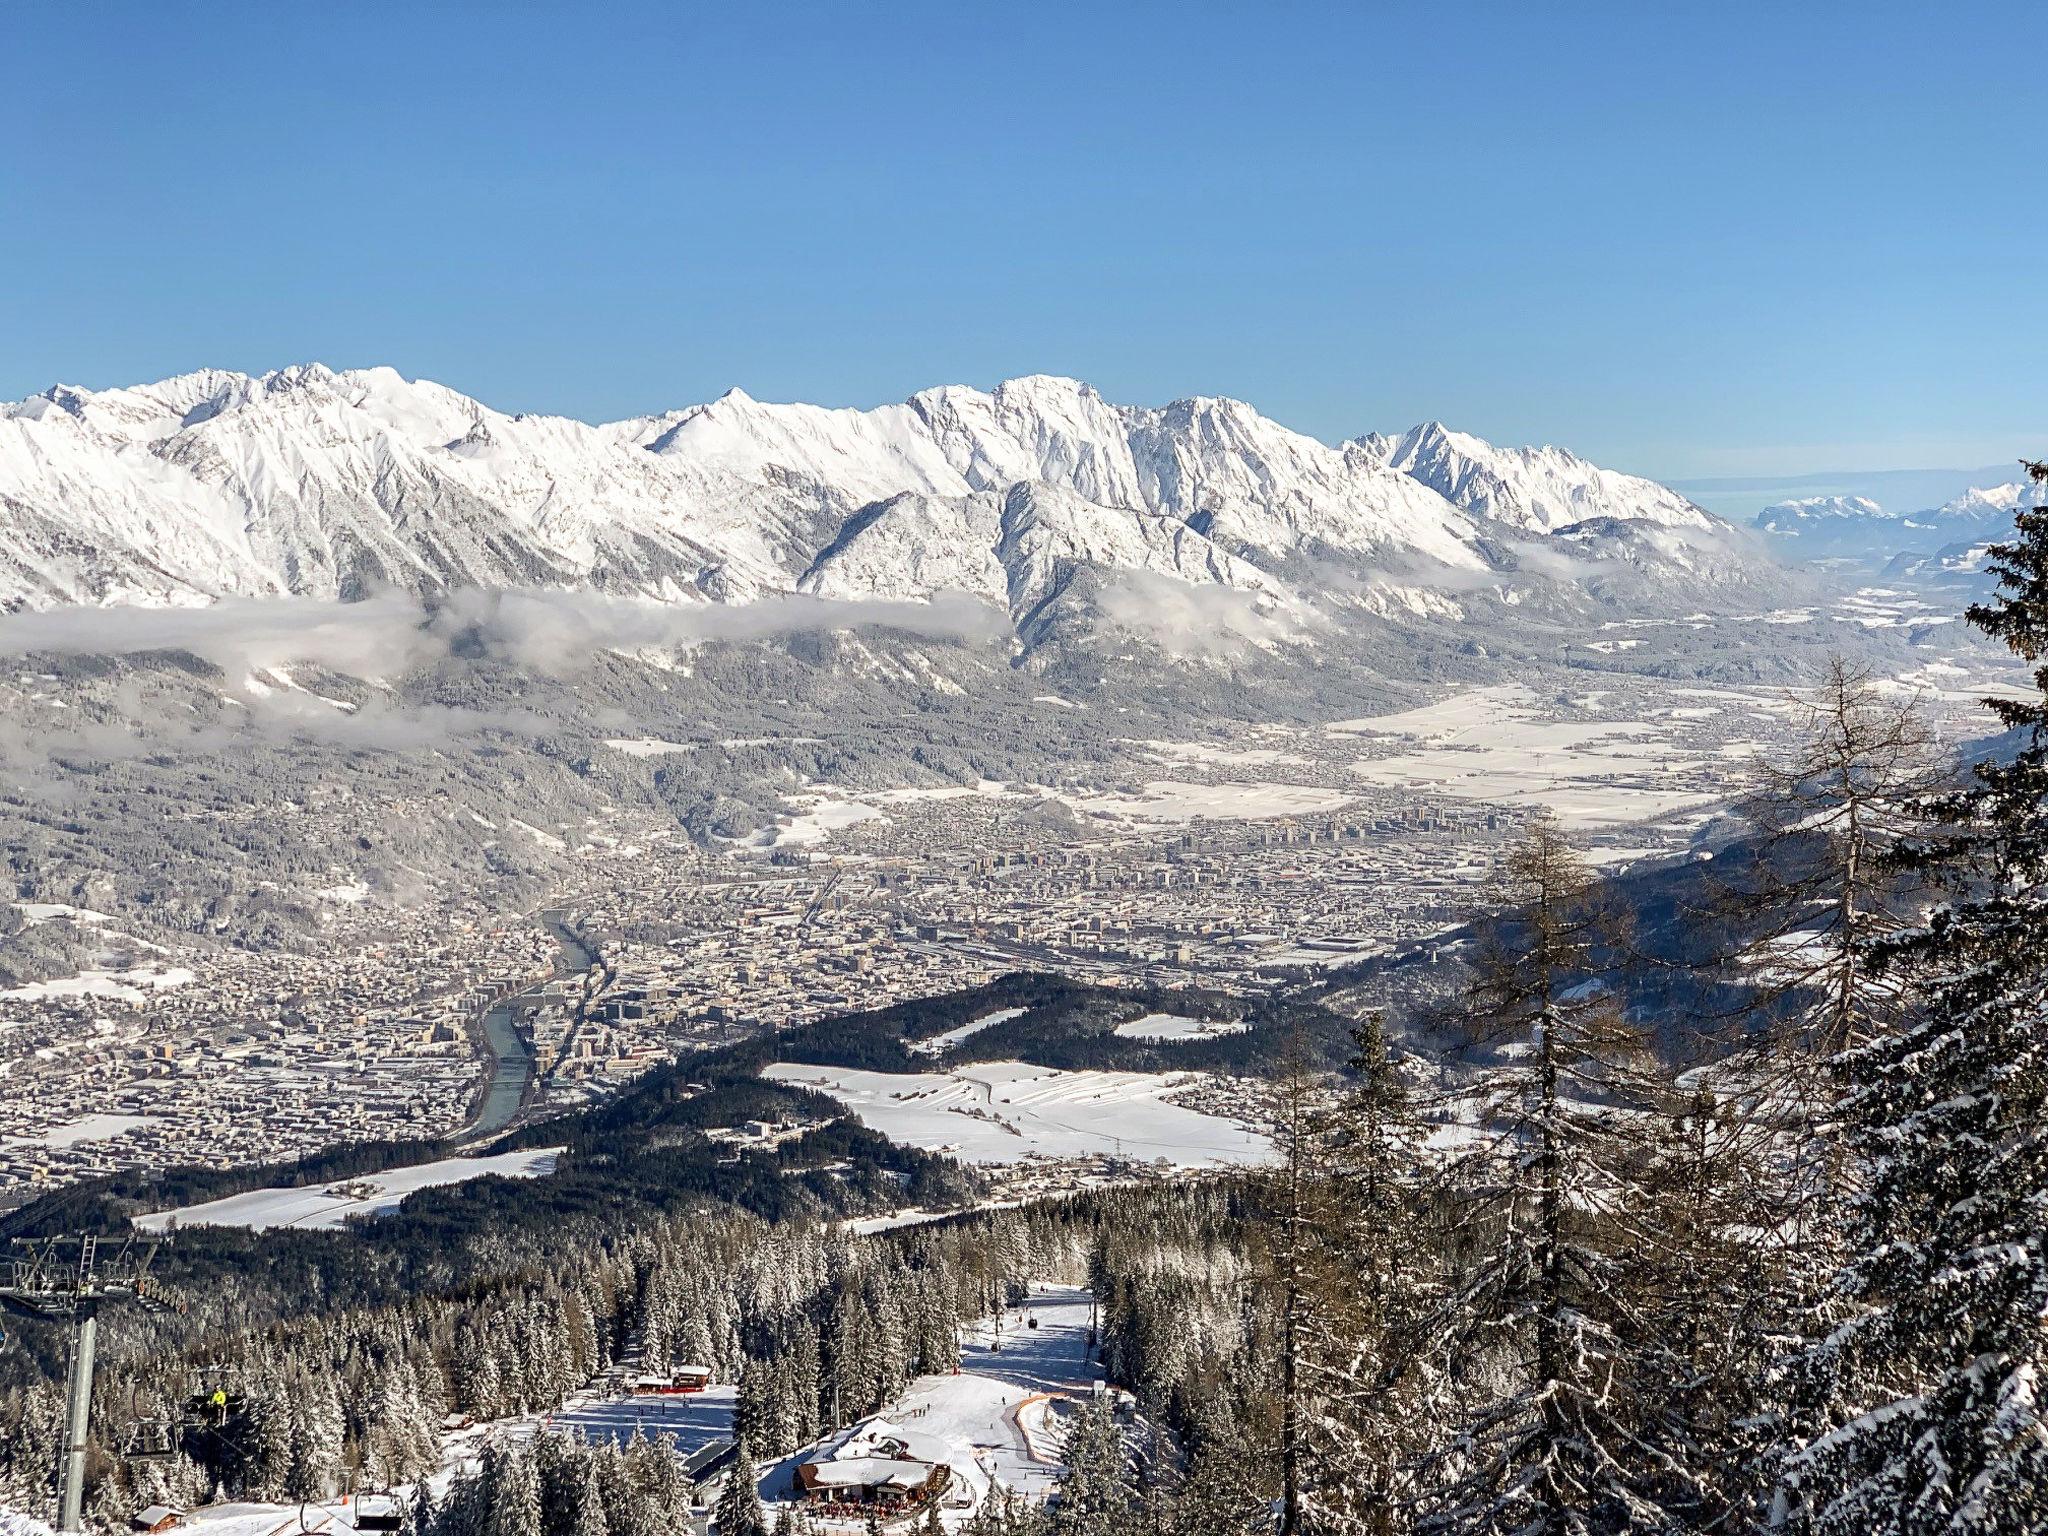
[681, 1381]
[880, 1463]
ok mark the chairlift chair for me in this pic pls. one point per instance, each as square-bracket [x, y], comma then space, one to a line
[209, 1399]
[378, 1511]
[149, 1440]
[147, 1436]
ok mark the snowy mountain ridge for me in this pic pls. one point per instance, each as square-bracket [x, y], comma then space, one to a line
[309, 481]
[1540, 490]
[1858, 528]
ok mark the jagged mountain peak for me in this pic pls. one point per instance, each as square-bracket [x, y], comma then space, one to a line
[1535, 489]
[333, 482]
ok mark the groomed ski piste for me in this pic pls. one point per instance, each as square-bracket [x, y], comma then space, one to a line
[1000, 1422]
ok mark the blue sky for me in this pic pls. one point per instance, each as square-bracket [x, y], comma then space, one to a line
[1687, 240]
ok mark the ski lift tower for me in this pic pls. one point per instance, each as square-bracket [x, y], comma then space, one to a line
[69, 1277]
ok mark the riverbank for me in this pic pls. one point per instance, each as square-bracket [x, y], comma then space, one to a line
[509, 1049]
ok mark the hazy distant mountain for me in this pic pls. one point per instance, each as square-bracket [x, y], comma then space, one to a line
[1740, 497]
[1968, 526]
[1038, 495]
[1825, 527]
[1856, 528]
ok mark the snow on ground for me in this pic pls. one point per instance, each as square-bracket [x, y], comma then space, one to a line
[49, 911]
[935, 1045]
[331, 1519]
[1000, 1414]
[78, 1132]
[318, 1207]
[1214, 752]
[1169, 802]
[695, 1420]
[129, 986]
[1176, 1026]
[647, 746]
[1946, 682]
[824, 809]
[994, 1410]
[1005, 1111]
[823, 816]
[1494, 745]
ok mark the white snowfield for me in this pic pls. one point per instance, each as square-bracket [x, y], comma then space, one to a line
[1005, 1111]
[128, 986]
[35, 912]
[648, 746]
[317, 1207]
[821, 817]
[939, 1044]
[1177, 1026]
[1170, 802]
[1492, 745]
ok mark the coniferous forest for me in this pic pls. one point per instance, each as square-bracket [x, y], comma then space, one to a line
[1732, 1218]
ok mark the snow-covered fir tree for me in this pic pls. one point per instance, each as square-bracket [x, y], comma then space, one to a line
[1538, 1335]
[739, 1511]
[1933, 1419]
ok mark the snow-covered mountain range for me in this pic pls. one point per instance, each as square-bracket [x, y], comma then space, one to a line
[1857, 528]
[1036, 493]
[1539, 490]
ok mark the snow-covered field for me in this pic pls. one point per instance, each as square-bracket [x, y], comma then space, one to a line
[1215, 752]
[129, 986]
[1169, 802]
[1494, 745]
[316, 1207]
[1005, 1111]
[935, 1045]
[821, 817]
[58, 911]
[647, 746]
[1177, 1026]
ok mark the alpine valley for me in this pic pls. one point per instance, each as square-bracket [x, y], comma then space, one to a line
[218, 587]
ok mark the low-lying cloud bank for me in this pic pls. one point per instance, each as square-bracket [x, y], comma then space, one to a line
[550, 631]
[1189, 620]
[385, 636]
[256, 642]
